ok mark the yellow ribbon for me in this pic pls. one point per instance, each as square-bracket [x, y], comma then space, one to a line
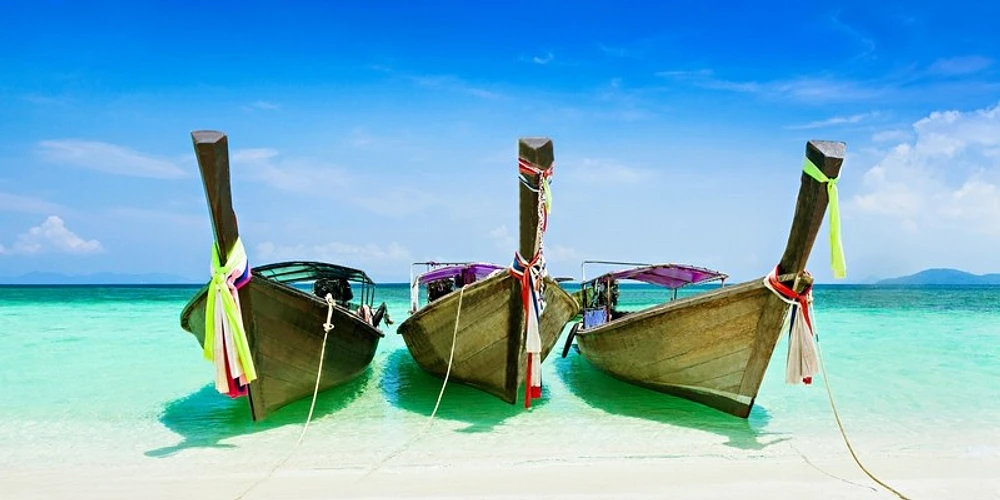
[219, 283]
[544, 185]
[837, 262]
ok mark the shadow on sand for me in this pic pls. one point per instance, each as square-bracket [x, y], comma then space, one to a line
[408, 387]
[205, 418]
[611, 395]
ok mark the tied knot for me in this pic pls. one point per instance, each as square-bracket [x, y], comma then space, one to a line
[521, 264]
[329, 313]
[788, 292]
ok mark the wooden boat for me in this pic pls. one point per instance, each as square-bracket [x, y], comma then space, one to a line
[491, 346]
[712, 347]
[284, 323]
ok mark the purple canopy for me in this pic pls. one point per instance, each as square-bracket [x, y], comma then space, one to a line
[672, 276]
[478, 269]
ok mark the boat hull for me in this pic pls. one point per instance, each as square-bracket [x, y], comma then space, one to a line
[712, 348]
[288, 339]
[489, 347]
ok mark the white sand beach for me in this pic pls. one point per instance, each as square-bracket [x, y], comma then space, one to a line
[559, 462]
[834, 477]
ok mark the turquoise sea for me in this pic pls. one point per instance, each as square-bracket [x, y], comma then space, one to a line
[99, 377]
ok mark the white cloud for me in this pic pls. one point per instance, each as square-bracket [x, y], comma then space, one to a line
[361, 138]
[503, 239]
[252, 155]
[302, 176]
[837, 120]
[960, 65]
[806, 89]
[265, 105]
[560, 254]
[293, 175]
[547, 58]
[108, 158]
[44, 100]
[603, 171]
[852, 32]
[621, 52]
[397, 201]
[912, 84]
[944, 180]
[891, 136]
[52, 234]
[157, 217]
[10, 202]
[684, 73]
[334, 252]
[452, 84]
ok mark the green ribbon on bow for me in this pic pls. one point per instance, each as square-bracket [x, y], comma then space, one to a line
[220, 286]
[543, 184]
[836, 245]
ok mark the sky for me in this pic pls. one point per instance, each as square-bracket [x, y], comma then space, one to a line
[376, 134]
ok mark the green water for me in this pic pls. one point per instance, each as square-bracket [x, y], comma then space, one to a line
[101, 376]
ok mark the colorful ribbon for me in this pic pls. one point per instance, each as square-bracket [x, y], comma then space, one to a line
[232, 358]
[837, 262]
[802, 362]
[531, 274]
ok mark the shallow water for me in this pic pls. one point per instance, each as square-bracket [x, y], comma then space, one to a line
[104, 375]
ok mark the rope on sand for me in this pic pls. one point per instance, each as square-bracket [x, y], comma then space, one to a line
[319, 372]
[447, 373]
[802, 339]
[843, 433]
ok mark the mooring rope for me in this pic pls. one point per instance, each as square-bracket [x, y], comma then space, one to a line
[319, 372]
[437, 404]
[804, 302]
[843, 433]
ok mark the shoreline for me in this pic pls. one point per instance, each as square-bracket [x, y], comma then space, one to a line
[714, 477]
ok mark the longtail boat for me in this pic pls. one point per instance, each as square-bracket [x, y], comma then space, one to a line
[262, 328]
[714, 347]
[511, 317]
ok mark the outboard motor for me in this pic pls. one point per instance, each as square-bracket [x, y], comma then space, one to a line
[338, 288]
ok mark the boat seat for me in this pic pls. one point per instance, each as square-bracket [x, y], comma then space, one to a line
[594, 317]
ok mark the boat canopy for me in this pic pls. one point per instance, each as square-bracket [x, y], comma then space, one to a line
[479, 269]
[672, 276]
[304, 271]
[470, 272]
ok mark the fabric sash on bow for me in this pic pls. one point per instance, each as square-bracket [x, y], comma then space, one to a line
[234, 368]
[837, 262]
[802, 362]
[531, 274]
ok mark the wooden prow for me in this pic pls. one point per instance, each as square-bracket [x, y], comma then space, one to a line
[538, 151]
[809, 211]
[212, 150]
[811, 205]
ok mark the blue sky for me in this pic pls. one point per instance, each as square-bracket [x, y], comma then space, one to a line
[380, 134]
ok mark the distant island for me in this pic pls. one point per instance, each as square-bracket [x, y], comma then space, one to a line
[47, 278]
[943, 277]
